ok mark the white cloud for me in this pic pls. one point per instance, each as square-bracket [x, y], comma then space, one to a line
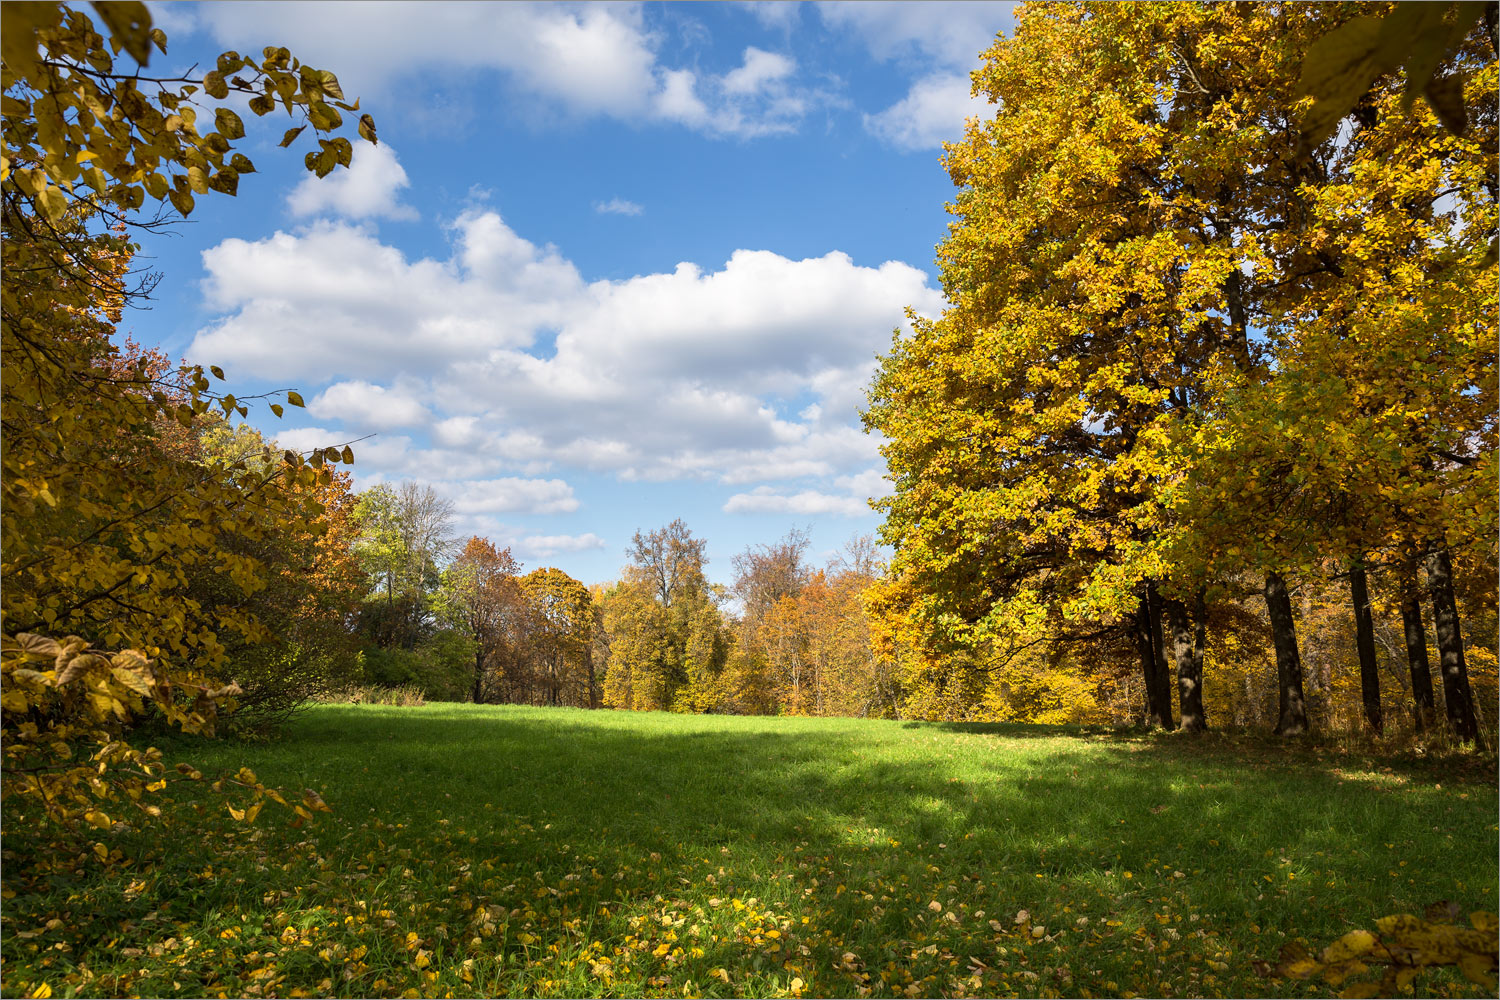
[939, 40]
[949, 33]
[870, 484]
[783, 15]
[509, 495]
[332, 299]
[933, 112]
[362, 407]
[543, 546]
[586, 60]
[618, 206]
[765, 500]
[367, 189]
[661, 376]
[176, 19]
[760, 71]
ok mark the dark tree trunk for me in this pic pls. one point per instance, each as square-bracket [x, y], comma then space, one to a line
[1159, 650]
[1456, 693]
[479, 676]
[588, 662]
[1364, 637]
[1200, 642]
[1292, 710]
[1158, 713]
[1424, 708]
[1189, 668]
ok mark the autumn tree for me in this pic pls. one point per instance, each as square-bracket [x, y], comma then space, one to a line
[666, 647]
[1153, 286]
[563, 642]
[405, 537]
[482, 593]
[101, 532]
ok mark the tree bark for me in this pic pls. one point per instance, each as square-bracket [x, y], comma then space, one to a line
[588, 662]
[1364, 637]
[1456, 692]
[1292, 709]
[1155, 713]
[1189, 668]
[479, 676]
[1159, 649]
[1200, 642]
[1424, 708]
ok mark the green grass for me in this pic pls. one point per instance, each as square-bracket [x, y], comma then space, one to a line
[567, 853]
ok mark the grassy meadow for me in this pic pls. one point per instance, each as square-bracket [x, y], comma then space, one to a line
[496, 851]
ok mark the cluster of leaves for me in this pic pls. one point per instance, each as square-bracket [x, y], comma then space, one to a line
[122, 528]
[74, 119]
[63, 705]
[1416, 38]
[1406, 945]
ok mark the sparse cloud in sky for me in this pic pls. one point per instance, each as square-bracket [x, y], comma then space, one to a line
[618, 206]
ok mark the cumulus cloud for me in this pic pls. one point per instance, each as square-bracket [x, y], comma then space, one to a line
[942, 42]
[760, 71]
[932, 112]
[543, 546]
[495, 372]
[765, 500]
[618, 206]
[508, 495]
[870, 484]
[367, 189]
[588, 60]
[508, 361]
[853, 500]
[759, 97]
[362, 407]
[333, 298]
[949, 33]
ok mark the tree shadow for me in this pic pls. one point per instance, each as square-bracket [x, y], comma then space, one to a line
[858, 827]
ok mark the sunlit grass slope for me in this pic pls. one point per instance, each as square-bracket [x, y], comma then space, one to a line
[497, 851]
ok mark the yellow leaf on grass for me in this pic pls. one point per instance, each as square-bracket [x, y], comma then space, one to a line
[1351, 945]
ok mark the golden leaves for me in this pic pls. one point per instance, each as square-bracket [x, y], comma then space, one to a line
[1405, 944]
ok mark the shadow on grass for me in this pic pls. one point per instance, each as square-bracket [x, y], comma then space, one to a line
[858, 827]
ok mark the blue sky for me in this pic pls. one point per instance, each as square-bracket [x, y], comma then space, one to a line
[610, 265]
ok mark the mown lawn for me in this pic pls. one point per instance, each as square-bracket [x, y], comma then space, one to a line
[495, 851]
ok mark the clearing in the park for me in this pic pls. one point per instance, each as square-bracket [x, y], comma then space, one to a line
[503, 851]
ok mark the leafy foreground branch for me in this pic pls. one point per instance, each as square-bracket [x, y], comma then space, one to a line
[63, 699]
[1405, 945]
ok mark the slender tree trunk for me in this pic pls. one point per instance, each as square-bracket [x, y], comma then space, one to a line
[588, 663]
[1456, 693]
[479, 676]
[1292, 709]
[1147, 650]
[1364, 637]
[1189, 668]
[1159, 650]
[1424, 708]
